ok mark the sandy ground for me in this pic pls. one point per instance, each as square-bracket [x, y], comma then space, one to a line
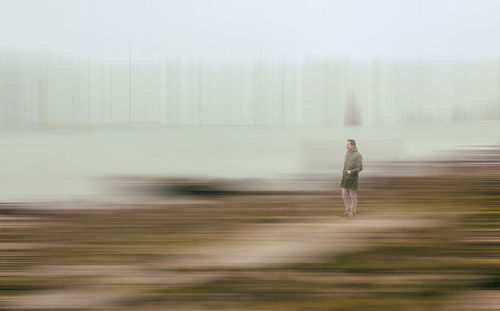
[256, 246]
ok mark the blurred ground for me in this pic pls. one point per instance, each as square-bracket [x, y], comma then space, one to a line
[423, 242]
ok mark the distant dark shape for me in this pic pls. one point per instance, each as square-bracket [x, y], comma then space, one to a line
[176, 186]
[219, 188]
[199, 188]
[352, 113]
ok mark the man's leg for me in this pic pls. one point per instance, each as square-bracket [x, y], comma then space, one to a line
[347, 201]
[354, 200]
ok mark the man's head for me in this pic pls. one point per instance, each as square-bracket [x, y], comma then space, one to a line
[351, 144]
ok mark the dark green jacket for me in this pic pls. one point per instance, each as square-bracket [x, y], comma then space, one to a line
[354, 163]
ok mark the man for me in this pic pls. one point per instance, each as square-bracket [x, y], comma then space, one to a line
[352, 166]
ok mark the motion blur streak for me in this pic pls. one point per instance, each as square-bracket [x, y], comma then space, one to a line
[187, 155]
[419, 242]
[52, 91]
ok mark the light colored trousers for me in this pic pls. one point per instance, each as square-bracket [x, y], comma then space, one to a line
[350, 198]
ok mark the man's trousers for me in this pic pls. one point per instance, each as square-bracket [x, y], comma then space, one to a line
[350, 198]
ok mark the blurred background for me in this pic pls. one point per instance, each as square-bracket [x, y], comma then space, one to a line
[187, 155]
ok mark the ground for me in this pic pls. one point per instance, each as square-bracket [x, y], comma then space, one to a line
[418, 243]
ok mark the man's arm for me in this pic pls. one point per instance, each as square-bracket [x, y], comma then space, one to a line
[358, 165]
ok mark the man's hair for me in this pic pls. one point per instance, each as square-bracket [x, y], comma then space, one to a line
[352, 141]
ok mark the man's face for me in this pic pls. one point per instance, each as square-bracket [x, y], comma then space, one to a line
[350, 146]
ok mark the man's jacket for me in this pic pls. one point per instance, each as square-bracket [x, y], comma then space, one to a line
[354, 163]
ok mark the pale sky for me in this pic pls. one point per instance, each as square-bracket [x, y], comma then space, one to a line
[237, 29]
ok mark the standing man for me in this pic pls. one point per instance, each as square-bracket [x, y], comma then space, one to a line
[352, 166]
